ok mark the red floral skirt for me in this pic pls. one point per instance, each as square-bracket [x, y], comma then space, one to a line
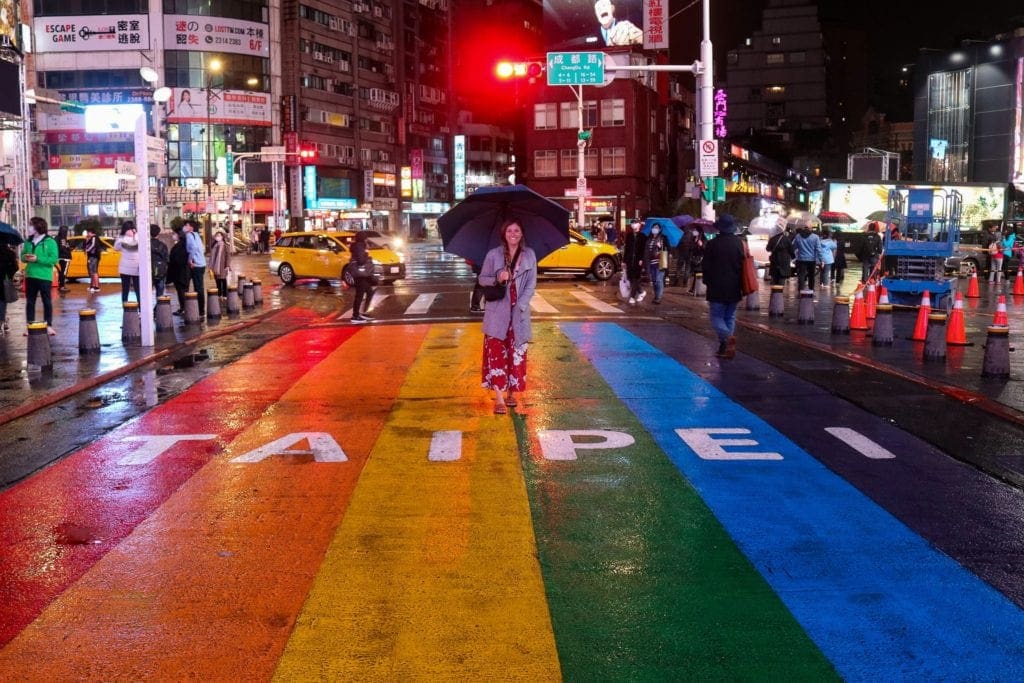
[504, 365]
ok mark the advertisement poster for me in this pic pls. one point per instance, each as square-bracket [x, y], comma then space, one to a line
[233, 107]
[868, 201]
[91, 33]
[572, 25]
[9, 24]
[216, 34]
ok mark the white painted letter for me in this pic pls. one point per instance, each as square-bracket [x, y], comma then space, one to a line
[557, 444]
[708, 447]
[153, 445]
[445, 446]
[322, 447]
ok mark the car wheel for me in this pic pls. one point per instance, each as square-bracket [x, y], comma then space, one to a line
[286, 273]
[603, 268]
[968, 267]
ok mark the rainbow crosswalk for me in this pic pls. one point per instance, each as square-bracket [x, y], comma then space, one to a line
[355, 511]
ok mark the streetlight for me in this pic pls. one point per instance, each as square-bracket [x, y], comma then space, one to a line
[214, 67]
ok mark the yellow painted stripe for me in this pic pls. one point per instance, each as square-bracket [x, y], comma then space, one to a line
[433, 573]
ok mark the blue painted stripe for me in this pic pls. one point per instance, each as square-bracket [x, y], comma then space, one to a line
[876, 598]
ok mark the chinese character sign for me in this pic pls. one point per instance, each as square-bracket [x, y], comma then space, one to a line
[655, 24]
[721, 111]
[91, 33]
[216, 34]
[229, 107]
[459, 159]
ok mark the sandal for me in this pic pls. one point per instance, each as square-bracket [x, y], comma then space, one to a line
[500, 409]
[511, 402]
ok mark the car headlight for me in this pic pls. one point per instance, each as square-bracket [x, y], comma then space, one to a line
[397, 242]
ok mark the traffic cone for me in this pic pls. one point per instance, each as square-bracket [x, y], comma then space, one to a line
[972, 287]
[870, 301]
[858, 317]
[956, 333]
[883, 297]
[923, 311]
[1000, 319]
[1018, 284]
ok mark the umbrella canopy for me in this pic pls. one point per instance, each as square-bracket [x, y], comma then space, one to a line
[803, 219]
[836, 217]
[672, 232]
[877, 215]
[470, 228]
[8, 235]
[682, 220]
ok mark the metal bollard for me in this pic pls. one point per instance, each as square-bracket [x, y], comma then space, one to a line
[841, 315]
[248, 303]
[131, 325]
[997, 352]
[882, 334]
[776, 303]
[88, 332]
[39, 354]
[935, 339]
[192, 308]
[805, 311]
[234, 306]
[698, 285]
[164, 319]
[257, 292]
[753, 301]
[213, 304]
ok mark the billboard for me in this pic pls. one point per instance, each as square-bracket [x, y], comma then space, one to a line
[9, 24]
[229, 107]
[216, 34]
[868, 201]
[584, 25]
[91, 33]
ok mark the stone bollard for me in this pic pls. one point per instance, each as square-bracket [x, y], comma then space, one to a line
[841, 315]
[805, 311]
[131, 325]
[248, 302]
[997, 352]
[88, 332]
[776, 302]
[257, 292]
[241, 281]
[698, 285]
[39, 354]
[935, 338]
[754, 301]
[213, 304]
[234, 306]
[882, 334]
[164, 319]
[192, 308]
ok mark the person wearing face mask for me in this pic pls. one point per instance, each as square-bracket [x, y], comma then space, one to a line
[220, 262]
[656, 256]
[128, 267]
[39, 254]
[633, 250]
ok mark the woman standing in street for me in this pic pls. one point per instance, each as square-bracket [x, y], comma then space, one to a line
[220, 262]
[177, 268]
[507, 329]
[364, 283]
[723, 274]
[633, 249]
[128, 244]
[657, 260]
[63, 258]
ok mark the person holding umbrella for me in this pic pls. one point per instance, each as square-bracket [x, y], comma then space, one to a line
[506, 325]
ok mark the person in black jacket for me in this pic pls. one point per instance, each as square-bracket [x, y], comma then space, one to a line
[364, 283]
[723, 275]
[178, 270]
[633, 249]
[63, 258]
[159, 256]
[780, 263]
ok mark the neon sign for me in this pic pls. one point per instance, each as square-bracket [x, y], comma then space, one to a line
[720, 112]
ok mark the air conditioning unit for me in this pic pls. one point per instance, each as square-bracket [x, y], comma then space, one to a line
[318, 56]
[344, 66]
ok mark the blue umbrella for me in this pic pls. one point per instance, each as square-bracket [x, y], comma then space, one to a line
[672, 232]
[470, 228]
[8, 235]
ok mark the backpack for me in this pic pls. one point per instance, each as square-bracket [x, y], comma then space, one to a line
[872, 246]
[159, 256]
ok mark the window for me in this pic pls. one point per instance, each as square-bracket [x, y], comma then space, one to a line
[569, 165]
[949, 125]
[775, 58]
[569, 116]
[776, 40]
[613, 160]
[545, 116]
[613, 112]
[798, 57]
[545, 163]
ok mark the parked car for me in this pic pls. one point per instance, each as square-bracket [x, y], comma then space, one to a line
[321, 254]
[582, 256]
[971, 256]
[109, 259]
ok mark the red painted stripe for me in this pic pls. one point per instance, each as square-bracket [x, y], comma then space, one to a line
[57, 524]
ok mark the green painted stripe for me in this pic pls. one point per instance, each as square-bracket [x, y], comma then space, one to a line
[643, 582]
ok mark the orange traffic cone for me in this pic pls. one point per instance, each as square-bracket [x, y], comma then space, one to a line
[883, 296]
[870, 301]
[1000, 319]
[956, 334]
[923, 311]
[972, 287]
[1018, 284]
[858, 317]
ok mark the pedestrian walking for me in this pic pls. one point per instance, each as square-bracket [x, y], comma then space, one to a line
[159, 256]
[839, 268]
[507, 328]
[254, 241]
[177, 268]
[694, 244]
[39, 254]
[807, 246]
[63, 258]
[364, 283]
[220, 262]
[196, 263]
[656, 256]
[782, 253]
[127, 243]
[1008, 243]
[265, 240]
[93, 250]
[633, 249]
[869, 253]
[724, 259]
[828, 258]
[8, 290]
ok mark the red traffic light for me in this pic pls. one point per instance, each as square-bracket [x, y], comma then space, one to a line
[531, 69]
[308, 152]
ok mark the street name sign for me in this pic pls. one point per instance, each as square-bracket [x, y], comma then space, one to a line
[575, 68]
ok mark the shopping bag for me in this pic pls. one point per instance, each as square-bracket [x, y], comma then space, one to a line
[749, 283]
[624, 287]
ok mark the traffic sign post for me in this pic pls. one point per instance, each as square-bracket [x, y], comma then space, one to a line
[708, 158]
[575, 68]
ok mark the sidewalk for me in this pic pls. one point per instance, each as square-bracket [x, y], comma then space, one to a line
[25, 391]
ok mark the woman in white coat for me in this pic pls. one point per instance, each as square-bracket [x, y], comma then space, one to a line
[506, 326]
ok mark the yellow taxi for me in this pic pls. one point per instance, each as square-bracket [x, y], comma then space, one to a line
[109, 259]
[321, 254]
[582, 256]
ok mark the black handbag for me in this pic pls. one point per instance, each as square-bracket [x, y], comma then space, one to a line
[495, 292]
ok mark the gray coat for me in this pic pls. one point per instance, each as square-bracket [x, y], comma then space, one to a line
[498, 313]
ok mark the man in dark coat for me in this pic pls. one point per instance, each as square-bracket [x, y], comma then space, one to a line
[633, 260]
[178, 269]
[780, 263]
[723, 275]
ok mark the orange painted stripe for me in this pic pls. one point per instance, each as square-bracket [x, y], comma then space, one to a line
[209, 587]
